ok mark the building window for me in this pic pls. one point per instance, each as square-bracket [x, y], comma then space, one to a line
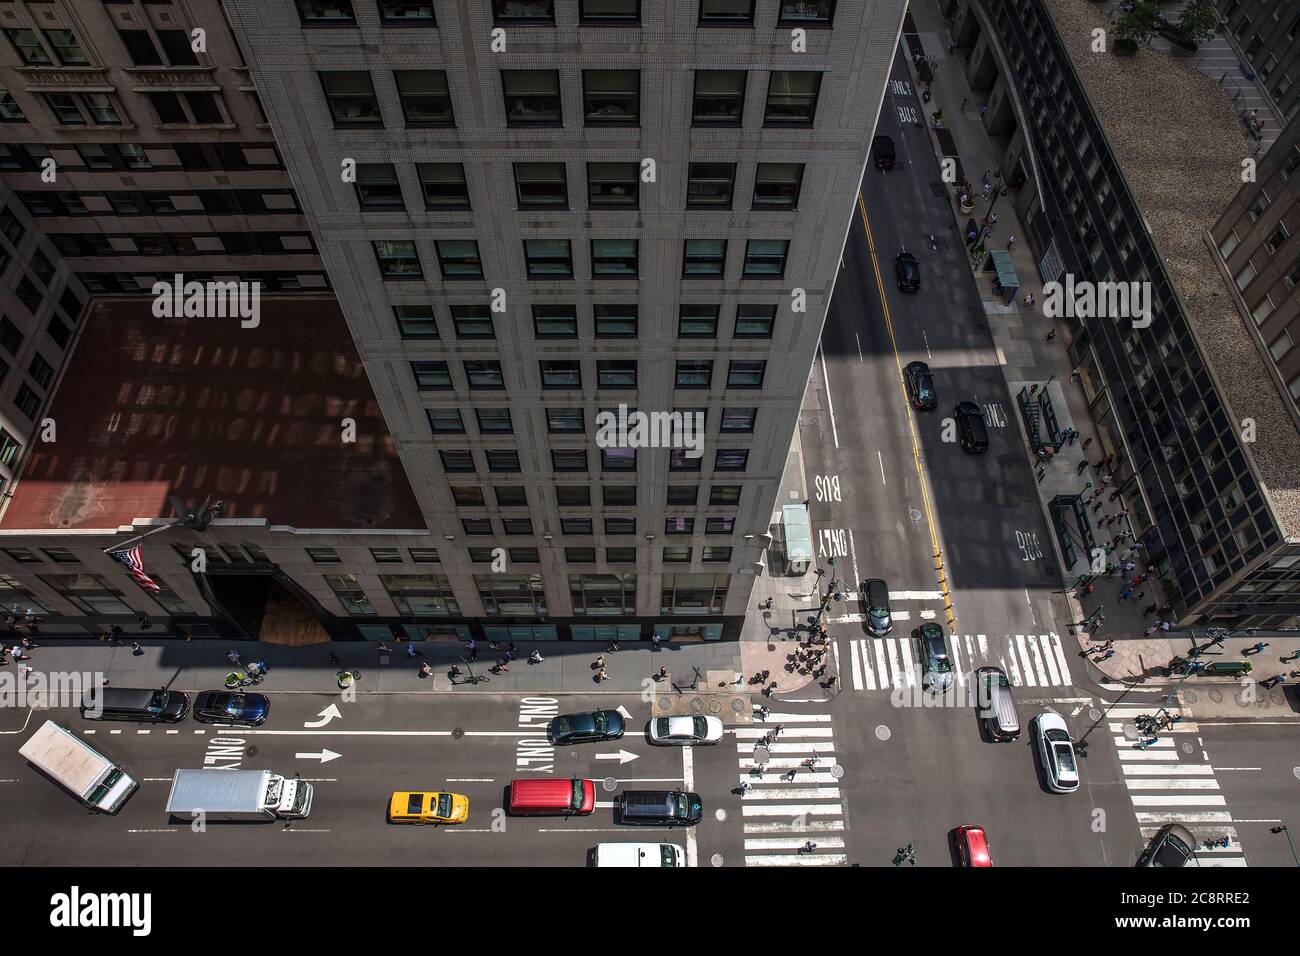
[1245, 275]
[611, 97]
[618, 459]
[28, 47]
[532, 97]
[326, 12]
[1276, 238]
[431, 376]
[694, 593]
[503, 459]
[713, 552]
[719, 525]
[459, 259]
[704, 258]
[609, 11]
[555, 321]
[615, 321]
[731, 459]
[510, 496]
[807, 12]
[738, 419]
[745, 374]
[140, 48]
[694, 373]
[386, 555]
[576, 526]
[415, 321]
[710, 185]
[791, 98]
[1281, 346]
[561, 420]
[424, 96]
[614, 258]
[677, 555]
[569, 459]
[420, 594]
[548, 258]
[377, 186]
[776, 185]
[350, 593]
[683, 495]
[443, 185]
[28, 402]
[616, 374]
[613, 185]
[679, 525]
[397, 259]
[561, 374]
[573, 496]
[324, 555]
[719, 98]
[727, 12]
[541, 185]
[413, 12]
[10, 111]
[469, 496]
[511, 594]
[523, 11]
[765, 258]
[472, 322]
[518, 526]
[724, 495]
[351, 98]
[698, 322]
[445, 421]
[457, 460]
[9, 448]
[484, 375]
[88, 593]
[619, 496]
[476, 527]
[755, 321]
[1256, 208]
[595, 594]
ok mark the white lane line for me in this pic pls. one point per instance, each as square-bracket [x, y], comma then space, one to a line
[1037, 658]
[881, 459]
[803, 859]
[807, 826]
[1030, 604]
[688, 783]
[1237, 861]
[1185, 769]
[853, 554]
[469, 780]
[1210, 816]
[915, 595]
[1030, 678]
[1045, 643]
[882, 669]
[792, 810]
[830, 403]
[774, 718]
[792, 793]
[780, 780]
[1148, 755]
[984, 645]
[856, 661]
[957, 669]
[1179, 800]
[1165, 783]
[1160, 744]
[787, 733]
[791, 843]
[822, 749]
[1059, 653]
[927, 346]
[909, 665]
[861, 360]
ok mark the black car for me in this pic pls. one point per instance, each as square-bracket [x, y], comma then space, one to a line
[920, 386]
[1172, 846]
[908, 272]
[585, 728]
[970, 427]
[659, 808]
[229, 707]
[134, 703]
[882, 152]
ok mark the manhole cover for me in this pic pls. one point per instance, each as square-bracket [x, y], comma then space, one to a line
[1130, 732]
[1094, 714]
[883, 732]
[457, 733]
[720, 814]
[715, 706]
[915, 515]
[1190, 696]
[697, 704]
[716, 859]
[739, 704]
[837, 772]
[1187, 747]
[761, 753]
[1214, 694]
[610, 784]
[665, 703]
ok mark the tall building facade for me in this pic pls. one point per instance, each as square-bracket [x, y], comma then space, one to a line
[1202, 435]
[1267, 33]
[533, 212]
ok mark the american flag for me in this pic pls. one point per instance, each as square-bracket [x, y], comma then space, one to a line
[135, 562]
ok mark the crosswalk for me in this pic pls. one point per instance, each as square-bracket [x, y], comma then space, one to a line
[1167, 784]
[890, 663]
[789, 803]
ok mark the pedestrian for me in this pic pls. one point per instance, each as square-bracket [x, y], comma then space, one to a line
[135, 649]
[499, 666]
[1164, 625]
[535, 657]
[1257, 648]
[1150, 630]
[1109, 654]
[1294, 656]
[472, 647]
[1107, 479]
[963, 99]
[598, 663]
[1082, 465]
[984, 109]
[232, 656]
[425, 670]
[510, 652]
[988, 188]
[1075, 375]
[1011, 241]
[1085, 443]
[145, 623]
[1033, 389]
[993, 221]
[1029, 300]
[1273, 681]
[1125, 595]
[654, 641]
[663, 674]
[1050, 335]
[411, 651]
[601, 675]
[1128, 566]
[1150, 609]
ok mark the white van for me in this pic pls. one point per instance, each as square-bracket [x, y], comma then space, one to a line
[639, 854]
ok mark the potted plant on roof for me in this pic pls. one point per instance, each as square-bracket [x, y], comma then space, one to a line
[1196, 25]
[1136, 27]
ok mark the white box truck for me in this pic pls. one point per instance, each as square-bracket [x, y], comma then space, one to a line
[252, 795]
[98, 782]
[640, 854]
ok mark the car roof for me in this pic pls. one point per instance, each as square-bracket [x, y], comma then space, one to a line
[919, 367]
[968, 408]
[1048, 720]
[681, 725]
[905, 257]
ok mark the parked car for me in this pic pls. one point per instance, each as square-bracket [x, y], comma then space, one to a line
[936, 669]
[1172, 846]
[875, 595]
[1056, 750]
[882, 152]
[659, 808]
[970, 427]
[920, 386]
[427, 806]
[235, 709]
[972, 846]
[149, 704]
[585, 728]
[685, 731]
[908, 272]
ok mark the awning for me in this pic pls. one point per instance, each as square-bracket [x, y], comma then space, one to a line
[1007, 277]
[798, 535]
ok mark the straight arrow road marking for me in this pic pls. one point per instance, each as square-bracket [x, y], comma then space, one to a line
[324, 756]
[622, 756]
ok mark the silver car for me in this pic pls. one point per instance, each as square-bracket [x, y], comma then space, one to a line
[936, 666]
[685, 731]
[1056, 750]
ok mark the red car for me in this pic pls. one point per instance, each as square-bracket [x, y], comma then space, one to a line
[972, 846]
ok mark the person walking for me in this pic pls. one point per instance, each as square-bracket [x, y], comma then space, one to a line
[472, 647]
[1083, 446]
[1256, 649]
[535, 657]
[598, 663]
[1011, 241]
[1150, 630]
[1125, 595]
[601, 675]
[1029, 300]
[1082, 467]
[662, 675]
[1050, 335]
[1150, 609]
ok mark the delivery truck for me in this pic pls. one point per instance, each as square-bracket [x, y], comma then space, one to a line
[235, 795]
[99, 783]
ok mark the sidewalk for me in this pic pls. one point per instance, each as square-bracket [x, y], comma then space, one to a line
[1033, 356]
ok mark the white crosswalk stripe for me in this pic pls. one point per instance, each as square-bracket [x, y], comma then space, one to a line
[1163, 789]
[891, 663]
[787, 803]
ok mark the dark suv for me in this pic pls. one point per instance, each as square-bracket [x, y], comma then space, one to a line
[659, 808]
[882, 152]
[908, 272]
[920, 386]
[970, 427]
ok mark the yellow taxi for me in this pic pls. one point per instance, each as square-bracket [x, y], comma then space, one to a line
[427, 806]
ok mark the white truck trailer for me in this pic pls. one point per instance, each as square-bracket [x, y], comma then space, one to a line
[251, 795]
[98, 782]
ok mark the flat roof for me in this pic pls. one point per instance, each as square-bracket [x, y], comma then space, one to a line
[1179, 142]
[191, 407]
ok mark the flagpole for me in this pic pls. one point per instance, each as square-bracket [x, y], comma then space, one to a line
[139, 537]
